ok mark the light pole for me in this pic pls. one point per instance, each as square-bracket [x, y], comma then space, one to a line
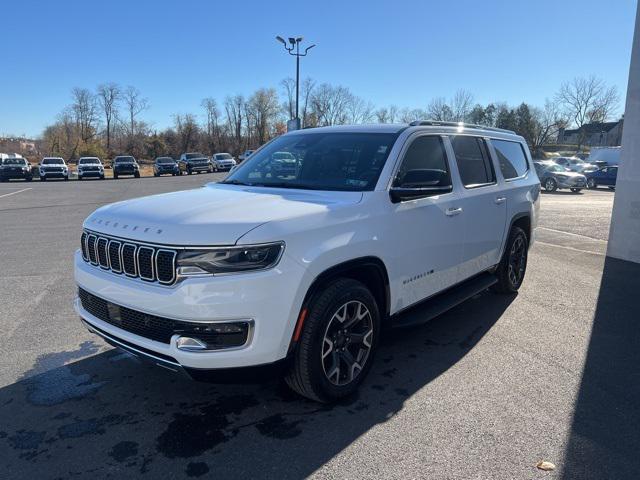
[294, 44]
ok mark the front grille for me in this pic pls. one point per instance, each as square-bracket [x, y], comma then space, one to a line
[91, 169]
[149, 263]
[160, 329]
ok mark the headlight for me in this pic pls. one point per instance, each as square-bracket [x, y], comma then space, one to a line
[229, 259]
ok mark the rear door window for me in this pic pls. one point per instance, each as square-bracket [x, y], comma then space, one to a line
[474, 164]
[511, 157]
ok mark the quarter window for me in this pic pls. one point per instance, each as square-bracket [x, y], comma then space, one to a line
[473, 161]
[425, 158]
[512, 159]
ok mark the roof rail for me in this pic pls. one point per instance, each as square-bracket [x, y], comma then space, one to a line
[436, 123]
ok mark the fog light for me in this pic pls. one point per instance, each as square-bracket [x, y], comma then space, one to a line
[190, 344]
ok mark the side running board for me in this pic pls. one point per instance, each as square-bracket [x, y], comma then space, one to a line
[440, 303]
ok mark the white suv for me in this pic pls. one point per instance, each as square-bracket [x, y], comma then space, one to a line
[90, 167]
[300, 269]
[222, 161]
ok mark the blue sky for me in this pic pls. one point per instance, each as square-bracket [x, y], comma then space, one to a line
[402, 52]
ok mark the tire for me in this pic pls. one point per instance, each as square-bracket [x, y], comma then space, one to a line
[311, 374]
[43, 179]
[591, 184]
[576, 190]
[155, 174]
[28, 179]
[101, 177]
[514, 257]
[189, 172]
[115, 176]
[66, 179]
[137, 174]
[79, 178]
[612, 188]
[550, 185]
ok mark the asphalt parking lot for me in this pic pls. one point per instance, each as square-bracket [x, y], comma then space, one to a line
[484, 391]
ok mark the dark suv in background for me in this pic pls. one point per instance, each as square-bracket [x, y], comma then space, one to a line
[125, 165]
[165, 165]
[15, 167]
[195, 163]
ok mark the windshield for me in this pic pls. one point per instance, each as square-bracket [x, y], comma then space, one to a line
[223, 156]
[84, 161]
[164, 160]
[556, 168]
[14, 161]
[124, 160]
[318, 161]
[52, 161]
[189, 156]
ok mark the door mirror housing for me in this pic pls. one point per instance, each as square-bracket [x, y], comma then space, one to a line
[420, 183]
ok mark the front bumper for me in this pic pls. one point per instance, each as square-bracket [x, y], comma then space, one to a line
[9, 174]
[270, 299]
[91, 173]
[572, 183]
[199, 168]
[54, 174]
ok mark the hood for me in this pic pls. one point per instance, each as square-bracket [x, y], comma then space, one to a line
[212, 215]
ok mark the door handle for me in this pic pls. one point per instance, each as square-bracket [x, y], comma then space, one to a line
[450, 212]
[500, 200]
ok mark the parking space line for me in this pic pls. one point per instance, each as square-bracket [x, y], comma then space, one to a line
[13, 193]
[568, 248]
[573, 234]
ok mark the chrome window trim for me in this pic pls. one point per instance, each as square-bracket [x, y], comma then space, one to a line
[151, 262]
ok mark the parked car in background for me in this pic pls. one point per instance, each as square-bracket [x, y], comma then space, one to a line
[553, 177]
[605, 176]
[284, 163]
[575, 164]
[223, 161]
[194, 163]
[125, 165]
[301, 274]
[16, 168]
[53, 167]
[243, 156]
[605, 155]
[90, 167]
[165, 166]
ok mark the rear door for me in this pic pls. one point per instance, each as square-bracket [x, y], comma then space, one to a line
[484, 205]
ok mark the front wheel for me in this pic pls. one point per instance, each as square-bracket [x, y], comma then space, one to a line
[137, 174]
[591, 184]
[28, 179]
[66, 179]
[513, 265]
[550, 185]
[43, 179]
[338, 341]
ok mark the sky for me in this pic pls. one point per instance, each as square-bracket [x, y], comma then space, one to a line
[389, 52]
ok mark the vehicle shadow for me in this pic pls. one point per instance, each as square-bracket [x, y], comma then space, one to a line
[107, 413]
[605, 436]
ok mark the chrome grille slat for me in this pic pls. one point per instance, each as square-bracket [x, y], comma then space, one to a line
[136, 260]
[101, 252]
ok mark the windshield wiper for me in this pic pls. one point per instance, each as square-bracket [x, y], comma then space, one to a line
[237, 182]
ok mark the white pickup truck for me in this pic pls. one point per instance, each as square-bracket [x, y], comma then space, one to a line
[300, 269]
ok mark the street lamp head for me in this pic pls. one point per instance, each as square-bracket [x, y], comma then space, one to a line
[298, 39]
[292, 40]
[309, 48]
[281, 40]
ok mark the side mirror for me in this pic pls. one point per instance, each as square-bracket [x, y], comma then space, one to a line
[420, 183]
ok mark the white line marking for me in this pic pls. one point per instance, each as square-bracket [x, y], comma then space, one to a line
[573, 234]
[13, 193]
[568, 248]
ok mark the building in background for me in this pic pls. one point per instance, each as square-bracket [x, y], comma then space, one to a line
[600, 134]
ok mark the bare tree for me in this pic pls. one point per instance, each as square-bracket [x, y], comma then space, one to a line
[549, 120]
[109, 97]
[360, 110]
[187, 130]
[588, 99]
[407, 115]
[438, 109]
[289, 88]
[308, 85]
[461, 105]
[135, 104]
[263, 107]
[331, 104]
[235, 109]
[85, 111]
[213, 123]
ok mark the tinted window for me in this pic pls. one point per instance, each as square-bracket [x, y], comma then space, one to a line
[473, 161]
[52, 161]
[513, 162]
[124, 159]
[88, 160]
[223, 156]
[319, 161]
[425, 153]
[164, 160]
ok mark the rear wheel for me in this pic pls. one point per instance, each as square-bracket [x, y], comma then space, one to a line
[28, 179]
[137, 174]
[115, 175]
[513, 265]
[550, 185]
[338, 342]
